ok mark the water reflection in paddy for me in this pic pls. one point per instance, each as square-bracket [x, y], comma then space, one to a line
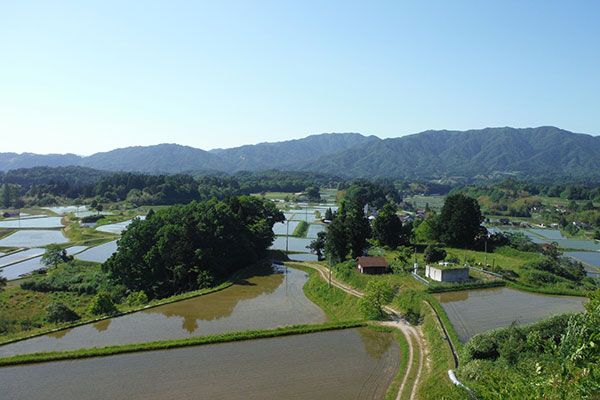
[348, 364]
[477, 311]
[264, 300]
[588, 257]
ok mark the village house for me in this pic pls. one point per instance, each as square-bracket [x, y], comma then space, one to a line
[371, 265]
[446, 272]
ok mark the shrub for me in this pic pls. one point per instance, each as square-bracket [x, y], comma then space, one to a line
[137, 298]
[59, 312]
[102, 303]
[433, 254]
[205, 280]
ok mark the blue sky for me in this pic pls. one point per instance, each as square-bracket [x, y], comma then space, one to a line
[84, 77]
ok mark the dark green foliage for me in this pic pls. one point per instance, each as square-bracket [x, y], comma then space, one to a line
[460, 221]
[312, 193]
[137, 298]
[317, 246]
[358, 229]
[328, 214]
[375, 193]
[59, 312]
[337, 239]
[54, 255]
[102, 303]
[377, 294]
[3, 282]
[387, 227]
[165, 254]
[433, 254]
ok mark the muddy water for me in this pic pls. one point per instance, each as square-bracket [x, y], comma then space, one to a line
[265, 300]
[477, 311]
[349, 364]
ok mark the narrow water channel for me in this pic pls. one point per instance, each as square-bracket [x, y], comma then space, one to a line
[266, 299]
[348, 364]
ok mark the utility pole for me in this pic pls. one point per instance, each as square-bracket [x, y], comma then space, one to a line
[330, 271]
[485, 263]
[287, 235]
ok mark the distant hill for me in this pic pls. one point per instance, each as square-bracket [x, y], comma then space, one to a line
[162, 158]
[530, 152]
[483, 153]
[288, 154]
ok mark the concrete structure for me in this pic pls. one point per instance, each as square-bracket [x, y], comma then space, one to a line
[446, 273]
[371, 265]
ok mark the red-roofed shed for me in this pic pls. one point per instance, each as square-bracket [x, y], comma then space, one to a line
[371, 265]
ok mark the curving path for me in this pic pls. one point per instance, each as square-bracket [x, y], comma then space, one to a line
[412, 335]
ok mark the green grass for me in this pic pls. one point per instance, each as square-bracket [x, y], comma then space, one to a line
[301, 229]
[171, 344]
[337, 304]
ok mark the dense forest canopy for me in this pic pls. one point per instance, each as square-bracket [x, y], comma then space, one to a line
[186, 247]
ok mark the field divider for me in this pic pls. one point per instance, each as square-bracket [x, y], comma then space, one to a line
[35, 358]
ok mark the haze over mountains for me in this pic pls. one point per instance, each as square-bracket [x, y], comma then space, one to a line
[541, 151]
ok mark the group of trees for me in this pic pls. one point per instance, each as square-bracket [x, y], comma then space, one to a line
[182, 247]
[348, 231]
[457, 225]
[375, 193]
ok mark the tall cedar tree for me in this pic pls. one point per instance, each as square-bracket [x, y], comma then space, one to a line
[358, 228]
[460, 221]
[337, 235]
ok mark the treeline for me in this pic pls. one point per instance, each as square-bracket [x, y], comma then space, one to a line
[44, 186]
[187, 247]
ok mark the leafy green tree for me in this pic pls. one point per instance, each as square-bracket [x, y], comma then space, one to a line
[318, 245]
[387, 227]
[312, 192]
[460, 221]
[433, 254]
[358, 229]
[5, 196]
[402, 260]
[328, 214]
[102, 303]
[427, 231]
[59, 312]
[377, 294]
[54, 255]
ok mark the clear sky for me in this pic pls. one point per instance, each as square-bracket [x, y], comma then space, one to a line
[89, 76]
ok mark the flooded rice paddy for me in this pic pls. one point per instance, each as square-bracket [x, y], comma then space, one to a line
[478, 311]
[554, 235]
[20, 256]
[33, 238]
[294, 243]
[99, 253]
[588, 257]
[265, 300]
[38, 222]
[347, 364]
[118, 227]
[16, 271]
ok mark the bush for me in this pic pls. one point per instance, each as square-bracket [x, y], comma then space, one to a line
[434, 254]
[59, 312]
[102, 303]
[137, 298]
[481, 347]
[205, 280]
[377, 294]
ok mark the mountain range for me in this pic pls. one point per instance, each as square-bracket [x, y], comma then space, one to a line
[529, 152]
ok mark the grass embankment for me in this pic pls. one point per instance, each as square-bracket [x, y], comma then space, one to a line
[301, 229]
[172, 344]
[337, 304]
